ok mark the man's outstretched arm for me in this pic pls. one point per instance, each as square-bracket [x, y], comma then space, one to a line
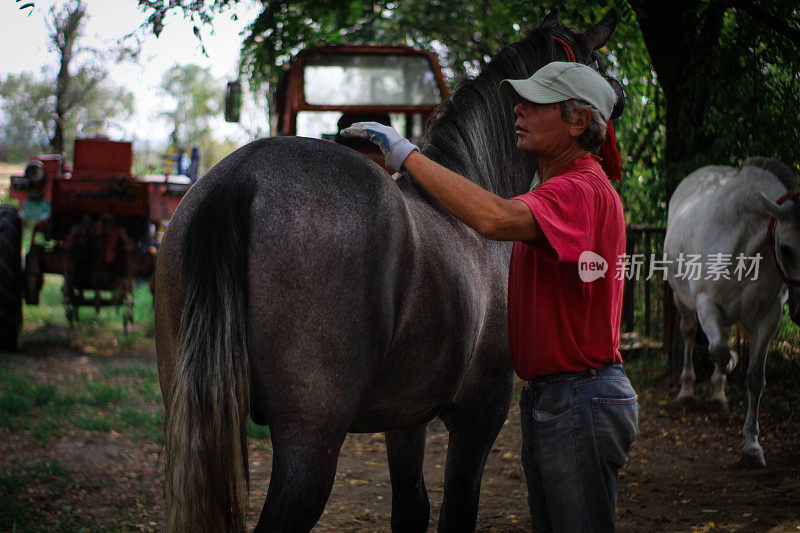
[488, 214]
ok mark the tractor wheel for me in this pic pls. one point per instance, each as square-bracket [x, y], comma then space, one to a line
[10, 278]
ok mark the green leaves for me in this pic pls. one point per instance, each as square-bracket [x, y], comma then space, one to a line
[197, 96]
[708, 81]
[26, 102]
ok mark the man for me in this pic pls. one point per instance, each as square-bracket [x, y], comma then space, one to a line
[578, 410]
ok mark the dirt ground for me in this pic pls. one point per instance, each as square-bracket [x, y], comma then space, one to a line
[683, 474]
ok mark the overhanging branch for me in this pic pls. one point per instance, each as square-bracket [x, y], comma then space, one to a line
[768, 19]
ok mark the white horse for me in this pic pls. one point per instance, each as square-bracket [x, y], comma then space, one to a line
[719, 219]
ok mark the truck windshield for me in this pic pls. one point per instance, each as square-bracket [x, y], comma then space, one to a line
[369, 79]
[324, 124]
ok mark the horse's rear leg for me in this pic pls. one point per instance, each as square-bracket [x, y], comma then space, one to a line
[410, 506]
[752, 454]
[303, 469]
[688, 330]
[309, 407]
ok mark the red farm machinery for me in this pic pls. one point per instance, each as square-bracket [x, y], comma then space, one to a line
[96, 224]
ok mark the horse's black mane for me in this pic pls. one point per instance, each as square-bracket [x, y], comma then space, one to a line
[472, 133]
[777, 168]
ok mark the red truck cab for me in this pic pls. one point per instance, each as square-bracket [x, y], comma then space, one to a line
[327, 88]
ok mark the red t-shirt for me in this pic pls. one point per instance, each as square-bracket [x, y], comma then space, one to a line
[557, 322]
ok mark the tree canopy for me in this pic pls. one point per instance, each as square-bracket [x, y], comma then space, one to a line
[26, 104]
[708, 81]
[46, 109]
[194, 99]
[728, 71]
[197, 97]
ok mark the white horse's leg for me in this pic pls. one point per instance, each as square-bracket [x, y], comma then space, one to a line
[718, 381]
[688, 331]
[752, 454]
[713, 325]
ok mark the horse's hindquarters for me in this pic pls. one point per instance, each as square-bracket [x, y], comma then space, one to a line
[324, 265]
[261, 260]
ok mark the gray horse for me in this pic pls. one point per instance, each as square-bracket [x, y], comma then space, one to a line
[298, 282]
[720, 215]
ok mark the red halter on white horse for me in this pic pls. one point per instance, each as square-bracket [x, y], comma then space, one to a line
[771, 236]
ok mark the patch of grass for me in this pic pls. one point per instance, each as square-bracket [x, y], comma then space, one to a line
[130, 370]
[134, 417]
[102, 402]
[13, 513]
[46, 324]
[14, 509]
[93, 422]
[151, 392]
[648, 368]
[153, 431]
[787, 338]
[129, 341]
[50, 311]
[140, 422]
[143, 305]
[32, 500]
[100, 394]
[20, 396]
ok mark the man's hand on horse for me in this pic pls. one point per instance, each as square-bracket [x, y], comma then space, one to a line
[394, 146]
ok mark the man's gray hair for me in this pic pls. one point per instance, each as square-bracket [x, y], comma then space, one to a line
[591, 139]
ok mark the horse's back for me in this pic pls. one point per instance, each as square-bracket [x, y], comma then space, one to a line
[288, 187]
[694, 205]
[699, 188]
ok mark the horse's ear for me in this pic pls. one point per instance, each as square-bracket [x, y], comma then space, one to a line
[551, 19]
[596, 36]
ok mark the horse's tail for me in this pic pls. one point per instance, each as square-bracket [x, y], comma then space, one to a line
[205, 441]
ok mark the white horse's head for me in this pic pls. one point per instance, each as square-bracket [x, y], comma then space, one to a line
[786, 235]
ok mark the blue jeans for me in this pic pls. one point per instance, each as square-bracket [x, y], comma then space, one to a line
[577, 430]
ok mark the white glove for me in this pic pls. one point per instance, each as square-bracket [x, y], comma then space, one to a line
[394, 146]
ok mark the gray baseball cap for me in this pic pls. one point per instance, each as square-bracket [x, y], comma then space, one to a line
[559, 81]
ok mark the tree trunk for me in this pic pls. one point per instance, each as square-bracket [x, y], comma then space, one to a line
[64, 32]
[681, 38]
[62, 91]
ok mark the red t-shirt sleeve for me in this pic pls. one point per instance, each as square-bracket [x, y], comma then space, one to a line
[563, 211]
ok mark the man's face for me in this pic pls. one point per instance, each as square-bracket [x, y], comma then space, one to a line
[540, 129]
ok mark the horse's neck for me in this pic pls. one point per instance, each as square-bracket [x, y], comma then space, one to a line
[477, 141]
[746, 216]
[507, 177]
[740, 193]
